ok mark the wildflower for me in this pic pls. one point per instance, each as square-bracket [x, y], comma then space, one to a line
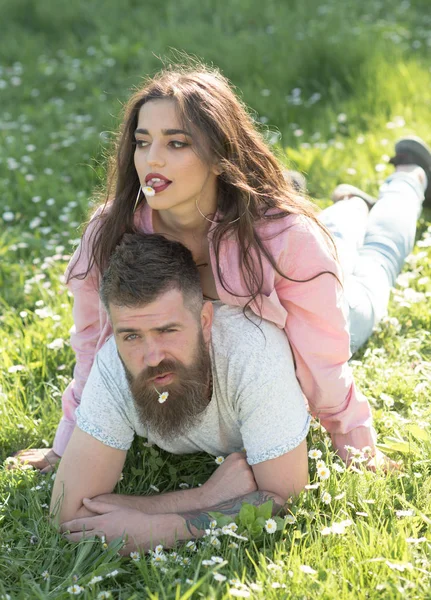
[155, 489]
[75, 589]
[163, 397]
[191, 546]
[217, 559]
[45, 575]
[236, 593]
[233, 545]
[219, 577]
[340, 496]
[113, 573]
[337, 467]
[411, 540]
[219, 460]
[10, 460]
[149, 191]
[8, 216]
[314, 453]
[361, 514]
[158, 557]
[184, 486]
[15, 368]
[324, 473]
[33, 539]
[320, 464]
[404, 513]
[312, 486]
[208, 563]
[235, 535]
[96, 579]
[307, 569]
[291, 519]
[270, 526]
[189, 581]
[104, 595]
[214, 541]
[135, 556]
[326, 498]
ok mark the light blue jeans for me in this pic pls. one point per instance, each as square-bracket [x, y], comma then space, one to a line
[372, 247]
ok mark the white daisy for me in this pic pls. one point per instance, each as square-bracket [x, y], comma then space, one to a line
[290, 519]
[149, 191]
[135, 556]
[219, 460]
[217, 559]
[104, 595]
[45, 575]
[163, 397]
[324, 473]
[314, 453]
[96, 579]
[75, 590]
[326, 498]
[270, 526]
[219, 577]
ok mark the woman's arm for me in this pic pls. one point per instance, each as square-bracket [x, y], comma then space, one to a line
[317, 329]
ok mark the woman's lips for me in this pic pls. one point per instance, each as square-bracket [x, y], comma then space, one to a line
[159, 187]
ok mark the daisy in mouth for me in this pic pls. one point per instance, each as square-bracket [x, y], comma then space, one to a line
[162, 396]
[155, 183]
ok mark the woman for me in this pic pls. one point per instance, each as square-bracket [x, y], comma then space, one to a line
[211, 183]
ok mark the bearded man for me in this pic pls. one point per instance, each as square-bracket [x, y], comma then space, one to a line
[188, 375]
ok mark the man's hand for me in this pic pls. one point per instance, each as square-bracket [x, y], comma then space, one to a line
[233, 478]
[43, 459]
[140, 531]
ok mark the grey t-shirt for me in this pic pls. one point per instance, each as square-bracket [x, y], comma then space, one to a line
[257, 403]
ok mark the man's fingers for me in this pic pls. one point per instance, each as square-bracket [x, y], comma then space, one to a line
[78, 525]
[83, 535]
[98, 507]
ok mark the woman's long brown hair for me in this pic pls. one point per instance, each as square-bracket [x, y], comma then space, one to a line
[251, 186]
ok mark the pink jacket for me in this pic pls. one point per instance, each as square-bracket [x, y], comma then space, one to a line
[313, 315]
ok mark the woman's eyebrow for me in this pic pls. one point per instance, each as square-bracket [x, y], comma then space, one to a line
[165, 132]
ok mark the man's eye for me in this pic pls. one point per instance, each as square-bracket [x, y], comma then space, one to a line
[131, 337]
[168, 330]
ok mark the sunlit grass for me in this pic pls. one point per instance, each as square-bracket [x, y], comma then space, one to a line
[333, 86]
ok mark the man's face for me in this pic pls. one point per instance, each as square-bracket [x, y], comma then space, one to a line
[164, 348]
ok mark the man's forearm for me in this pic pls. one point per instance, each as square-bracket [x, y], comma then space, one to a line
[172, 502]
[197, 521]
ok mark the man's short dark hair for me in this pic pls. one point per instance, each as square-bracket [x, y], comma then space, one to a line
[144, 266]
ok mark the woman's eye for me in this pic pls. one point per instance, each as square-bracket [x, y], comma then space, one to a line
[141, 143]
[177, 144]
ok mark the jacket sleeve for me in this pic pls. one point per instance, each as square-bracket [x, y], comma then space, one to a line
[317, 329]
[85, 335]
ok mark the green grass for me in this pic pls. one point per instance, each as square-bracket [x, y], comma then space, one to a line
[65, 69]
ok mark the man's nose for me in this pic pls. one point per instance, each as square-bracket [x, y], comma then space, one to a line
[153, 355]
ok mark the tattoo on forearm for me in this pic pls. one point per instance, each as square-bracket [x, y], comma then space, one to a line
[201, 519]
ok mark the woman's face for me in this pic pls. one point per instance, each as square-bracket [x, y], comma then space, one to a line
[166, 152]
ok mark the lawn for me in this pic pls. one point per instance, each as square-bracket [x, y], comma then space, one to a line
[333, 85]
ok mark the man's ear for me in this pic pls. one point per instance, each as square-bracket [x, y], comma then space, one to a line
[207, 314]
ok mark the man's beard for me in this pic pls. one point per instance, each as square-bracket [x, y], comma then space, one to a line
[188, 393]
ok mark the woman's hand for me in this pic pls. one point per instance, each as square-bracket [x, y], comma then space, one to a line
[43, 459]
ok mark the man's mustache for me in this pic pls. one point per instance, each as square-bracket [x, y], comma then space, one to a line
[166, 366]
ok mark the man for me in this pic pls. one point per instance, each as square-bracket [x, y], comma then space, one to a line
[188, 375]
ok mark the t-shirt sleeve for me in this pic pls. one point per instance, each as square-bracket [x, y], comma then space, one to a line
[103, 412]
[272, 410]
